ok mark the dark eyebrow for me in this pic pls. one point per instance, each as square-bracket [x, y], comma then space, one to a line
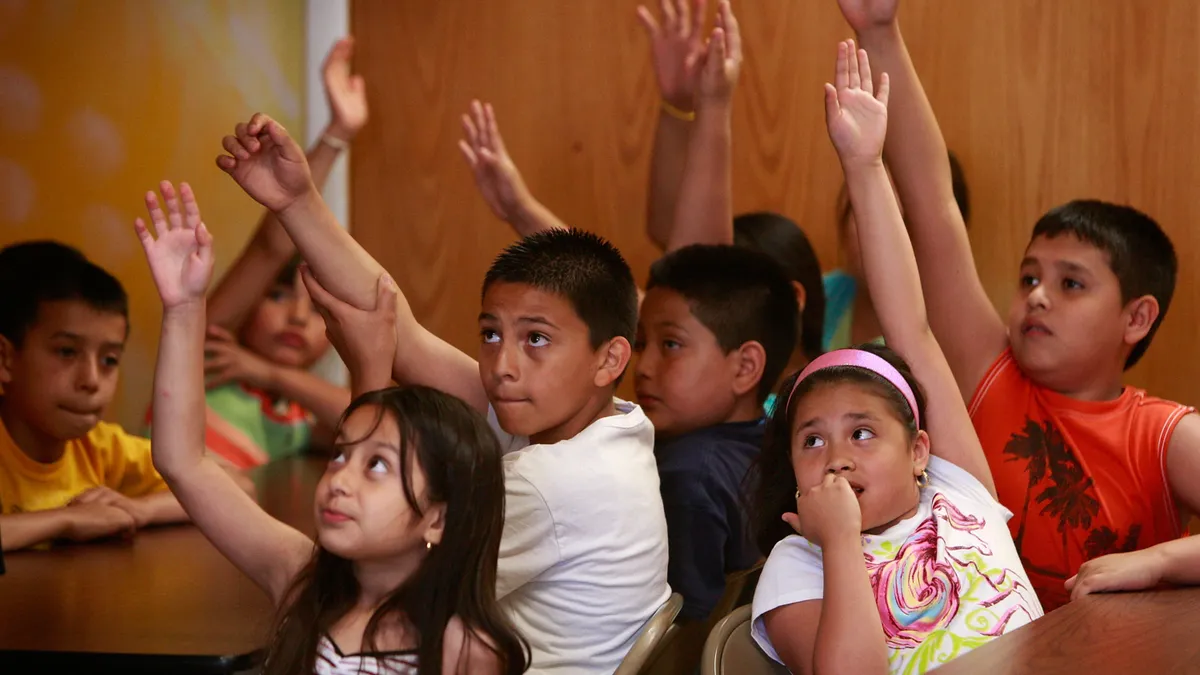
[67, 334]
[1029, 261]
[484, 316]
[860, 416]
[539, 320]
[1072, 267]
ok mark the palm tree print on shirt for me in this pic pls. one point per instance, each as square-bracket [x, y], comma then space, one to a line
[1067, 493]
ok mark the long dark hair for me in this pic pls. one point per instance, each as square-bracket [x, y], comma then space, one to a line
[770, 485]
[460, 457]
[783, 240]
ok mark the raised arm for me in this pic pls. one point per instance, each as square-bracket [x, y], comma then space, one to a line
[270, 248]
[967, 325]
[677, 47]
[704, 210]
[497, 177]
[857, 117]
[271, 168]
[181, 261]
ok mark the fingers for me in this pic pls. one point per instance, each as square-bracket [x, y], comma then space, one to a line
[174, 213]
[338, 57]
[204, 242]
[234, 147]
[832, 106]
[321, 298]
[683, 12]
[733, 32]
[226, 163]
[855, 79]
[481, 125]
[469, 154]
[143, 235]
[841, 73]
[885, 88]
[670, 19]
[864, 70]
[469, 129]
[1070, 583]
[648, 22]
[191, 210]
[698, 12]
[248, 141]
[216, 332]
[385, 295]
[496, 141]
[161, 227]
[716, 51]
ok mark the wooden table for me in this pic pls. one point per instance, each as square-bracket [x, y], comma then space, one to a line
[1151, 633]
[165, 601]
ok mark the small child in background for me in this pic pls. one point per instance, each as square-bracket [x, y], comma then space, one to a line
[64, 473]
[849, 313]
[583, 558]
[1101, 476]
[900, 560]
[264, 334]
[717, 327]
[408, 514]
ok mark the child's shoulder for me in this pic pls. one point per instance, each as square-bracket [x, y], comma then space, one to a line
[107, 439]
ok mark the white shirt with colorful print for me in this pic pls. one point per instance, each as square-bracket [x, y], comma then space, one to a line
[946, 580]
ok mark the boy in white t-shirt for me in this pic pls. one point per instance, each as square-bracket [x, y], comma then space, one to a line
[583, 559]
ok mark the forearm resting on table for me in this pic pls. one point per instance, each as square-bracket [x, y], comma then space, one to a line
[1179, 560]
[850, 636]
[22, 530]
[162, 508]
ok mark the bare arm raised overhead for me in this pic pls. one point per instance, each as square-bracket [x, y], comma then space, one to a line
[968, 327]
[268, 164]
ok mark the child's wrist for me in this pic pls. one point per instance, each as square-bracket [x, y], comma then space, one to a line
[337, 136]
[683, 111]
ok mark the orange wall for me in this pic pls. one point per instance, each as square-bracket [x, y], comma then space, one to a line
[99, 100]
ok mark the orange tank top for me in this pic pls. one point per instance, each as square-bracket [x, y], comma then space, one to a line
[1082, 478]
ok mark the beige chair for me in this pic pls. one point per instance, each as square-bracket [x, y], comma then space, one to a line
[731, 651]
[650, 636]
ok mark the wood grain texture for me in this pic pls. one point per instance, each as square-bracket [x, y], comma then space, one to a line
[1152, 632]
[1042, 101]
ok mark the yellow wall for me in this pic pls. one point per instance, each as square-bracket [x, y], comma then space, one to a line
[101, 99]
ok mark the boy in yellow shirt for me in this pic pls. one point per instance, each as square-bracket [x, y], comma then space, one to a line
[64, 474]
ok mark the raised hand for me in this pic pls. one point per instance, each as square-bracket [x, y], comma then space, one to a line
[346, 93]
[827, 511]
[863, 15]
[181, 257]
[677, 46]
[365, 339]
[497, 177]
[855, 112]
[722, 61]
[226, 360]
[267, 163]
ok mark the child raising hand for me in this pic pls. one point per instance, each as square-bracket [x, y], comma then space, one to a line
[409, 512]
[900, 560]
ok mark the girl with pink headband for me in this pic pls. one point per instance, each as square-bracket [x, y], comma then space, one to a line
[888, 552]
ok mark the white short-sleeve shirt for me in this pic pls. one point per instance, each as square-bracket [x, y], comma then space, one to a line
[946, 580]
[583, 558]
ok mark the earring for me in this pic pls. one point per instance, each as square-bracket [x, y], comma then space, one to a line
[923, 479]
[429, 546]
[797, 493]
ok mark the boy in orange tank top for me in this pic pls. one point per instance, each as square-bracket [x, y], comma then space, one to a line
[1097, 475]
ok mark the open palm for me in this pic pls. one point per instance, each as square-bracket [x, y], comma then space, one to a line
[267, 163]
[864, 14]
[855, 112]
[346, 92]
[677, 45]
[180, 257]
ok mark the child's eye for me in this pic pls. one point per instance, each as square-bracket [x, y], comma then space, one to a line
[489, 336]
[1072, 285]
[862, 434]
[671, 345]
[377, 465]
[814, 442]
[340, 458]
[66, 352]
[111, 361]
[1028, 281]
[538, 340]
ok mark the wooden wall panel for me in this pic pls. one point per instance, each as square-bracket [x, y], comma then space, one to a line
[1043, 101]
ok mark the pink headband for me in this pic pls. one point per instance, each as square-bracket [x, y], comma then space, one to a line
[857, 358]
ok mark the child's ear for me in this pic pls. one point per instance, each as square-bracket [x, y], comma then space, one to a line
[801, 295]
[1142, 312]
[7, 356]
[614, 357]
[435, 524]
[920, 453]
[749, 361]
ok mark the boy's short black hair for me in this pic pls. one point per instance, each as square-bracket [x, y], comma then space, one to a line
[36, 272]
[740, 295]
[783, 240]
[958, 183]
[1139, 252]
[580, 266]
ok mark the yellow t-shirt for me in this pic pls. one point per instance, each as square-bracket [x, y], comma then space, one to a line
[107, 456]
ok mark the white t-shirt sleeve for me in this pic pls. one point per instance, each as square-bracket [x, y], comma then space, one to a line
[792, 574]
[529, 545]
[508, 442]
[965, 490]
